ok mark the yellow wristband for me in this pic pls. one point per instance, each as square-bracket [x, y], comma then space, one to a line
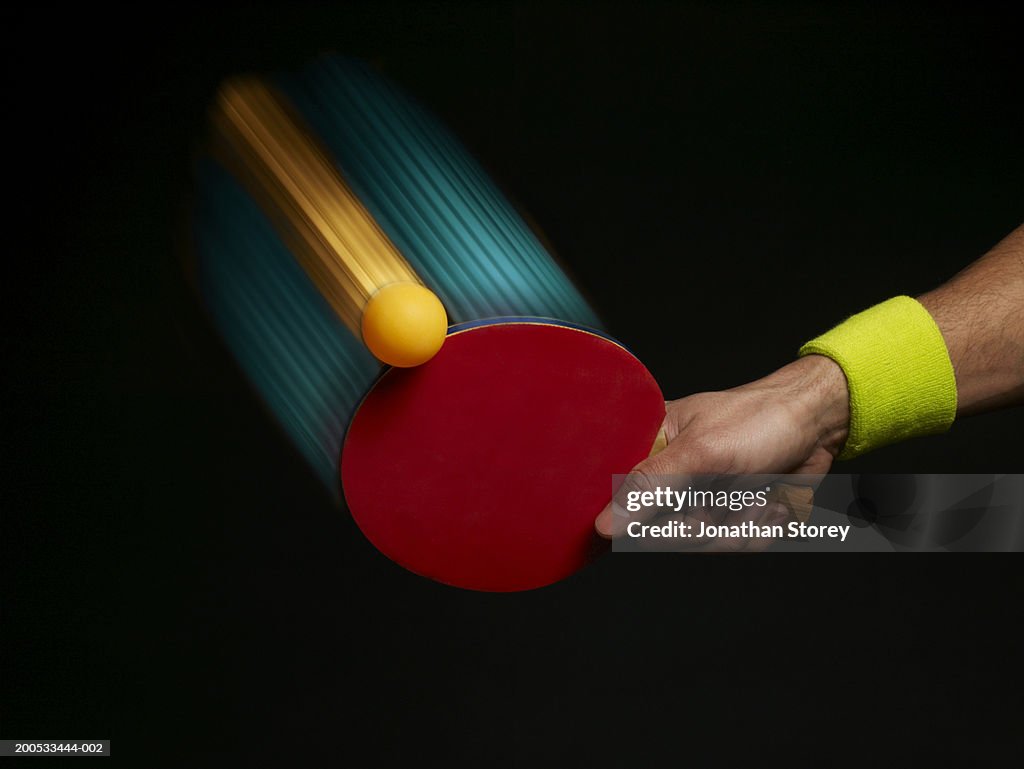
[898, 371]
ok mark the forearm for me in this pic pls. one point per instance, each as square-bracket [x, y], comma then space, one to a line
[980, 316]
[881, 376]
[980, 313]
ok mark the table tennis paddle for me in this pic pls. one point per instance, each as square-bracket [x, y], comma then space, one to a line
[485, 467]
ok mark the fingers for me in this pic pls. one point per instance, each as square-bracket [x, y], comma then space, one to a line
[663, 489]
[633, 501]
[702, 530]
[636, 499]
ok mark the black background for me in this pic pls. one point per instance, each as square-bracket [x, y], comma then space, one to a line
[724, 181]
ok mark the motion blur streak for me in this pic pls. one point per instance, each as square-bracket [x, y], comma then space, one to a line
[432, 198]
[309, 369]
[342, 249]
[322, 187]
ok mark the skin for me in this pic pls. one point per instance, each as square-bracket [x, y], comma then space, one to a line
[796, 419]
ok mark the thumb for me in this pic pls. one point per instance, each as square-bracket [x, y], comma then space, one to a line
[645, 478]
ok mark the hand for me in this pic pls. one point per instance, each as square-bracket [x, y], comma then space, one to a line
[792, 421]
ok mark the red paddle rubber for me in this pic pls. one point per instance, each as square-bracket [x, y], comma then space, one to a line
[485, 467]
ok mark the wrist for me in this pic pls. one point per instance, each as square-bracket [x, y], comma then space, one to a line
[816, 388]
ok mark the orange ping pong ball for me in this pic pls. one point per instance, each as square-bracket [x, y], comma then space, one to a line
[404, 324]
